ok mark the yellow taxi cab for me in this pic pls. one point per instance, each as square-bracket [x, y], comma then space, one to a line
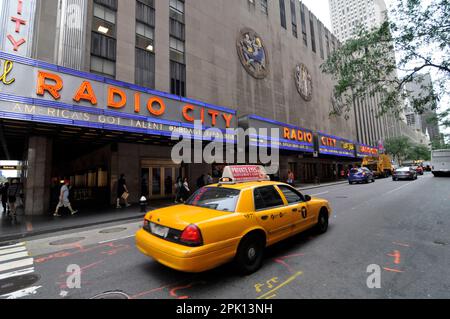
[231, 221]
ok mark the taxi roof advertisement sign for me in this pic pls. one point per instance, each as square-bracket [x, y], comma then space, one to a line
[337, 146]
[245, 173]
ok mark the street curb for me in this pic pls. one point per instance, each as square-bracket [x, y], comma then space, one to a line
[20, 236]
[321, 186]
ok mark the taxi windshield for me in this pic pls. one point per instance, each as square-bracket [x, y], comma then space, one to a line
[221, 199]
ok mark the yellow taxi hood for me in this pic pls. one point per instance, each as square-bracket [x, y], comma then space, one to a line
[181, 216]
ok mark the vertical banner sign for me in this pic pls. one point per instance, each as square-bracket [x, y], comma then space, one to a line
[17, 24]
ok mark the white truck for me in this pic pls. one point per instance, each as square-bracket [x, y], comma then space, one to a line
[440, 163]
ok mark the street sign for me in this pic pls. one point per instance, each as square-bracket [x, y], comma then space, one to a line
[10, 168]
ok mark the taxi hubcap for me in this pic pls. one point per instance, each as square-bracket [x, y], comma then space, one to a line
[251, 253]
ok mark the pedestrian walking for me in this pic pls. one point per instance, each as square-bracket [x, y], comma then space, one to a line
[64, 200]
[122, 192]
[178, 189]
[185, 190]
[291, 178]
[4, 194]
[14, 191]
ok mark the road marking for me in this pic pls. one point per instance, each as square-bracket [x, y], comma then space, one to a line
[401, 187]
[16, 264]
[22, 293]
[122, 238]
[271, 293]
[12, 250]
[17, 273]
[400, 244]
[13, 256]
[11, 246]
[320, 194]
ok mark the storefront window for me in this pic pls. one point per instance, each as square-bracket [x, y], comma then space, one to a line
[156, 181]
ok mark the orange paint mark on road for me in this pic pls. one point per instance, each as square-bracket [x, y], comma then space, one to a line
[393, 270]
[397, 257]
[173, 292]
[144, 293]
[79, 249]
[285, 264]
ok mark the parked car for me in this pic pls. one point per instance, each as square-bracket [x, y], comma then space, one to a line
[360, 175]
[404, 173]
[419, 170]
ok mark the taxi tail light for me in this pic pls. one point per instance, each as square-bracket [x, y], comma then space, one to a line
[192, 236]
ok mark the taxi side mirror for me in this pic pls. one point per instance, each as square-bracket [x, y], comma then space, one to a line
[308, 198]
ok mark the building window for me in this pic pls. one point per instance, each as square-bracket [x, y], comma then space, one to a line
[103, 38]
[303, 18]
[283, 14]
[313, 37]
[177, 78]
[145, 46]
[177, 48]
[264, 7]
[294, 19]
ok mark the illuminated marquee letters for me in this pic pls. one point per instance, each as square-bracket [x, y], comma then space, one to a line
[116, 98]
[7, 68]
[17, 43]
[297, 135]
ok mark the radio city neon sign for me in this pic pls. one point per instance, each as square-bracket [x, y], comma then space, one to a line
[297, 135]
[19, 22]
[52, 84]
[368, 150]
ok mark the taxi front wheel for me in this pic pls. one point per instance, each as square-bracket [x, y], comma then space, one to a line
[249, 256]
[322, 224]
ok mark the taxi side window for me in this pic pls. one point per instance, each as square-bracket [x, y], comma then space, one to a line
[266, 198]
[292, 196]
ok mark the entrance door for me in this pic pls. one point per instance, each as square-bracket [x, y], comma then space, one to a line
[158, 179]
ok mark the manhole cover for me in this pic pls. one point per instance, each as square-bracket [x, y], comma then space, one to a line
[112, 295]
[13, 284]
[67, 241]
[440, 243]
[113, 230]
[342, 197]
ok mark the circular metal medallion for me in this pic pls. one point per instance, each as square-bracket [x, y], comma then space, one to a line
[303, 81]
[252, 53]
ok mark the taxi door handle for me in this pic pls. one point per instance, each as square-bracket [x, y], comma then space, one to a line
[295, 210]
[265, 217]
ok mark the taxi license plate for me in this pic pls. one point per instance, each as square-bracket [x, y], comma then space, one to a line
[159, 230]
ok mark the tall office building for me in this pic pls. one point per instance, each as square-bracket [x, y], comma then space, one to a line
[419, 89]
[346, 15]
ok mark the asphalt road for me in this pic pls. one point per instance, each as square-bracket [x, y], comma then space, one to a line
[402, 227]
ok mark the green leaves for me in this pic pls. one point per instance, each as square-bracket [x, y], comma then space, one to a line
[420, 33]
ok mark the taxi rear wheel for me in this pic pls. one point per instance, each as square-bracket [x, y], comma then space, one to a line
[249, 256]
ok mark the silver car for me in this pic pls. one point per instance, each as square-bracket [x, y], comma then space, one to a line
[404, 173]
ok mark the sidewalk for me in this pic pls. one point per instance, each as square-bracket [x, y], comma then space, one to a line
[27, 226]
